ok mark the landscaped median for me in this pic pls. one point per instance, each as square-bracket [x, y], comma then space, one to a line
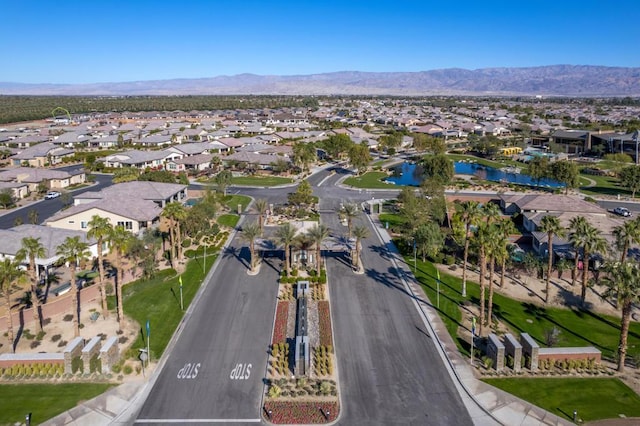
[297, 392]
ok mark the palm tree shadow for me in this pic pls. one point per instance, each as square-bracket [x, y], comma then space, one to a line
[340, 256]
[239, 254]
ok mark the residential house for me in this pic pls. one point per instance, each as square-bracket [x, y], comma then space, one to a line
[193, 163]
[42, 154]
[133, 213]
[32, 177]
[140, 159]
[50, 238]
[159, 192]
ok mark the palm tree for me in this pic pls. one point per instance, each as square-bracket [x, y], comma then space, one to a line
[349, 211]
[505, 229]
[483, 239]
[491, 212]
[261, 206]
[551, 225]
[250, 233]
[285, 235]
[100, 228]
[10, 272]
[627, 234]
[176, 213]
[623, 284]
[302, 243]
[467, 214]
[492, 251]
[120, 242]
[31, 249]
[73, 251]
[360, 233]
[318, 234]
[577, 227]
[593, 242]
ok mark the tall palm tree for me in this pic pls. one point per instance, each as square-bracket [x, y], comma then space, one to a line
[73, 251]
[261, 206]
[302, 243]
[349, 211]
[249, 233]
[10, 273]
[31, 249]
[100, 228]
[468, 213]
[505, 229]
[491, 212]
[623, 284]
[285, 235]
[176, 213]
[318, 234]
[359, 232]
[577, 226]
[120, 243]
[492, 251]
[593, 242]
[627, 234]
[483, 237]
[551, 226]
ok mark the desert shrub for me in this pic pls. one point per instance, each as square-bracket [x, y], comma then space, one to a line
[67, 317]
[77, 365]
[116, 368]
[127, 369]
[56, 337]
[274, 391]
[62, 343]
[34, 344]
[40, 335]
[95, 364]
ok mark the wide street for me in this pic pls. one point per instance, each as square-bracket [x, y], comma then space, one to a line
[215, 371]
[390, 372]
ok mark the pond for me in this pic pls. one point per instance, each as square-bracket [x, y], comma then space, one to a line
[410, 174]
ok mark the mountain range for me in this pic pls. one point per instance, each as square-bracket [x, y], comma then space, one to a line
[552, 80]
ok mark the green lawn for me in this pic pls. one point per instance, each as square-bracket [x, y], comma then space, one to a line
[369, 180]
[44, 401]
[577, 327]
[260, 180]
[593, 399]
[158, 300]
[395, 221]
[228, 220]
[232, 201]
[605, 185]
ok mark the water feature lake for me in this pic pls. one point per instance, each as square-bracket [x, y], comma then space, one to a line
[409, 174]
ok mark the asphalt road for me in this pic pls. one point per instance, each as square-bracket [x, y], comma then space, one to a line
[47, 208]
[390, 371]
[215, 372]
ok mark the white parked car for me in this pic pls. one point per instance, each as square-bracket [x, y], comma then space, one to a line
[622, 211]
[52, 194]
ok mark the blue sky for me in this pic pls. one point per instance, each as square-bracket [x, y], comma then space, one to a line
[92, 41]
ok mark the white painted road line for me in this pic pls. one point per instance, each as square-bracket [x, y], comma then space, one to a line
[198, 421]
[322, 181]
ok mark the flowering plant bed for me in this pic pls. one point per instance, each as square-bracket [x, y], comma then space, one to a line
[326, 336]
[300, 412]
[280, 326]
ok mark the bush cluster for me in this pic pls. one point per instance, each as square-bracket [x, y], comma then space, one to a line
[322, 361]
[280, 354]
[33, 370]
[317, 292]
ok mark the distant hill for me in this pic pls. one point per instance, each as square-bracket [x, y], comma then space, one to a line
[553, 80]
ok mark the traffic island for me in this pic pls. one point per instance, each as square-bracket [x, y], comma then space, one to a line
[301, 380]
